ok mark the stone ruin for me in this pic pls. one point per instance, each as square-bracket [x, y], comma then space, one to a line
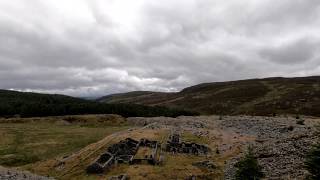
[150, 158]
[120, 177]
[126, 152]
[175, 145]
[205, 164]
[117, 153]
[145, 151]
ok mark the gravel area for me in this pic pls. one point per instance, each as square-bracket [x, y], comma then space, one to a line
[280, 144]
[11, 174]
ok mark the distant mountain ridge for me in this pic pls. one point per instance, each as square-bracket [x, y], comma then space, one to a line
[299, 95]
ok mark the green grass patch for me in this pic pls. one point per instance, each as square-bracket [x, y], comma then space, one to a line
[189, 137]
[26, 143]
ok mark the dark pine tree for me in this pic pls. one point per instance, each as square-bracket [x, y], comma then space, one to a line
[248, 168]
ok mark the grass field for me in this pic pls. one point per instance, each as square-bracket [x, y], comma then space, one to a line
[63, 147]
[29, 141]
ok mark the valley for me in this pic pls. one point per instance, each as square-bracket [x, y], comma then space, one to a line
[66, 146]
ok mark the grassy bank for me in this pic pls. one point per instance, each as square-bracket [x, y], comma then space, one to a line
[28, 142]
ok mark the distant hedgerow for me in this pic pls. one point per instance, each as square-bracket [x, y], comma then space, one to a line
[248, 168]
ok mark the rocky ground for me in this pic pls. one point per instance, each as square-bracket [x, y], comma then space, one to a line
[11, 174]
[280, 144]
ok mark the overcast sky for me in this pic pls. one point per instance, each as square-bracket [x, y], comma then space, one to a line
[98, 47]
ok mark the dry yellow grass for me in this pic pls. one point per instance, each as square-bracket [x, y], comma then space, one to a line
[176, 166]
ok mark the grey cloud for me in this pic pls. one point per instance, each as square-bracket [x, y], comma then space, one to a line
[84, 48]
[287, 11]
[299, 51]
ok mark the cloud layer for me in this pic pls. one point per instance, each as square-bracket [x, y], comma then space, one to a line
[97, 47]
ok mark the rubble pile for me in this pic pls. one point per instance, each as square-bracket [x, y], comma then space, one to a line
[124, 152]
[186, 122]
[120, 177]
[284, 157]
[121, 152]
[280, 147]
[205, 164]
[174, 145]
[11, 174]
[148, 143]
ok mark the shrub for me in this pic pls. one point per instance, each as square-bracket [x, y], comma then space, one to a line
[312, 163]
[290, 128]
[248, 168]
[300, 122]
[217, 151]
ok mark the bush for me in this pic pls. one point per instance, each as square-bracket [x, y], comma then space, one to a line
[312, 163]
[217, 151]
[300, 122]
[290, 128]
[248, 168]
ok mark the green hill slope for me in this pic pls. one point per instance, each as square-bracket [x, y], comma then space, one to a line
[254, 97]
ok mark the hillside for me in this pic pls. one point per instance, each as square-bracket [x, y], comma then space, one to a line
[28, 104]
[254, 96]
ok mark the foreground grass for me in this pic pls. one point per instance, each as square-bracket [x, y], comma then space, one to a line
[26, 143]
[189, 137]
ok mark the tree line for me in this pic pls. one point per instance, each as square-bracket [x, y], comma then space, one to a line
[39, 105]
